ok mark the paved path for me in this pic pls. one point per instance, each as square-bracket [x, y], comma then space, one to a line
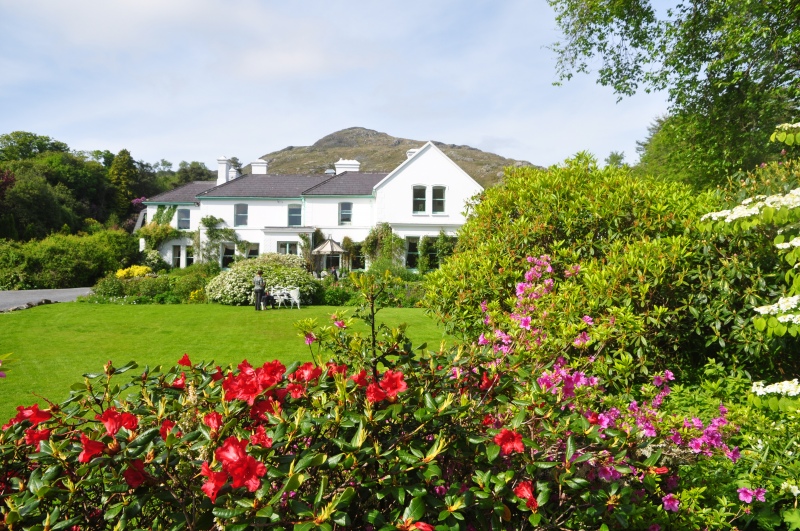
[14, 299]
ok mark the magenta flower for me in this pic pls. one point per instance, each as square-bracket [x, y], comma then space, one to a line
[525, 322]
[340, 324]
[310, 338]
[482, 340]
[581, 340]
[746, 495]
[671, 503]
[588, 320]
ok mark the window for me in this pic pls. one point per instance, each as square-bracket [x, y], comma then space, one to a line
[357, 258]
[295, 216]
[287, 247]
[240, 215]
[419, 206]
[412, 252]
[176, 256]
[252, 252]
[345, 213]
[228, 254]
[189, 255]
[183, 218]
[438, 200]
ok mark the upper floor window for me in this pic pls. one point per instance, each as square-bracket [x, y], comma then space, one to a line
[295, 215]
[240, 215]
[183, 218]
[419, 205]
[345, 213]
[438, 200]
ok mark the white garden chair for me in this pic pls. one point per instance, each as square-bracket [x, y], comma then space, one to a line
[294, 297]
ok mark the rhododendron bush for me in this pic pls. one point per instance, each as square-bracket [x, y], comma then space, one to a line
[372, 434]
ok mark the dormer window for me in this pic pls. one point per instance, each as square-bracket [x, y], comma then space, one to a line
[240, 215]
[438, 200]
[418, 203]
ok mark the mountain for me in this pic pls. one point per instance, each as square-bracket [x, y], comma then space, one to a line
[379, 152]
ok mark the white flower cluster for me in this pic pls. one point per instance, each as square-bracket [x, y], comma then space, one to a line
[787, 388]
[783, 305]
[751, 207]
[792, 318]
[788, 245]
[788, 127]
[790, 487]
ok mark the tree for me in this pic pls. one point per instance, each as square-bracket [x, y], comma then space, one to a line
[193, 171]
[23, 145]
[730, 68]
[615, 159]
[123, 174]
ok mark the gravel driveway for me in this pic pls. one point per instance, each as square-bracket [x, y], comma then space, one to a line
[19, 299]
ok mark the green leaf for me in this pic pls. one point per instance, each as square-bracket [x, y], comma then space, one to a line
[492, 451]
[760, 323]
[415, 510]
[570, 449]
[792, 518]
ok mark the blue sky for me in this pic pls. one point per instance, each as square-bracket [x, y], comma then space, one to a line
[195, 79]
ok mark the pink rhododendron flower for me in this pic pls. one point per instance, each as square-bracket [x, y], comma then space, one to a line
[588, 320]
[671, 503]
[525, 323]
[581, 340]
[340, 324]
[482, 340]
[310, 338]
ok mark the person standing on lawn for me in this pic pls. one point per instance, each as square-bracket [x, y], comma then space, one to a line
[258, 288]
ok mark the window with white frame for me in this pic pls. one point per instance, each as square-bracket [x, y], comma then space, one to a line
[295, 216]
[240, 215]
[287, 247]
[228, 254]
[252, 252]
[189, 255]
[412, 252]
[438, 200]
[176, 256]
[183, 218]
[418, 203]
[345, 213]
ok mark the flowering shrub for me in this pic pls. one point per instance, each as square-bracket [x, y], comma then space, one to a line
[372, 434]
[133, 271]
[235, 286]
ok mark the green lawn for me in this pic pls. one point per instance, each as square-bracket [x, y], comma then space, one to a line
[52, 346]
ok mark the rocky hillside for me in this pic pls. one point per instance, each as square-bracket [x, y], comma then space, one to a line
[379, 152]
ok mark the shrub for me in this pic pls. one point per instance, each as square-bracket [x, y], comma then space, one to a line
[235, 286]
[152, 259]
[378, 436]
[109, 286]
[133, 271]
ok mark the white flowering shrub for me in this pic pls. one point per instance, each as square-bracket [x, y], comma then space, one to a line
[787, 388]
[235, 286]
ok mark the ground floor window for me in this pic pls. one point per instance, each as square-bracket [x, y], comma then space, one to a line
[228, 254]
[357, 258]
[252, 252]
[287, 247]
[189, 255]
[333, 260]
[176, 256]
[412, 252]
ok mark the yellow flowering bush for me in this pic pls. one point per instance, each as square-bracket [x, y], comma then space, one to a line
[133, 272]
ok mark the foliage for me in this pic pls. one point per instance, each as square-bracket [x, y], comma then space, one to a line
[122, 175]
[193, 171]
[156, 234]
[210, 237]
[730, 68]
[235, 286]
[138, 284]
[678, 295]
[64, 261]
[20, 145]
[153, 259]
[425, 249]
[382, 243]
[380, 435]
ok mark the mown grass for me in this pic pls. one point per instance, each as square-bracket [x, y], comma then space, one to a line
[52, 346]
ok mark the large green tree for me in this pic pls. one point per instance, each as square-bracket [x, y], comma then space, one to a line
[730, 67]
[123, 174]
[19, 145]
[193, 171]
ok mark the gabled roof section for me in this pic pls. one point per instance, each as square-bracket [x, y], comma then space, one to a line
[429, 146]
[347, 183]
[183, 194]
[254, 185]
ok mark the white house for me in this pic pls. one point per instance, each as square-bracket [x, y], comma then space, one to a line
[424, 195]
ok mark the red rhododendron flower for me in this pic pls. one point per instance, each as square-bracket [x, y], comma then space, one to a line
[361, 379]
[306, 372]
[243, 469]
[250, 383]
[185, 361]
[393, 383]
[216, 480]
[487, 383]
[213, 420]
[260, 438]
[375, 393]
[31, 414]
[130, 421]
[422, 526]
[270, 374]
[34, 436]
[231, 451]
[180, 382]
[111, 419]
[135, 475]
[525, 491]
[166, 428]
[262, 408]
[336, 369]
[217, 375]
[509, 441]
[90, 449]
[296, 390]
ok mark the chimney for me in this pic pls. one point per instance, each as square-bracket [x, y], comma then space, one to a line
[223, 170]
[258, 167]
[411, 152]
[347, 165]
[232, 173]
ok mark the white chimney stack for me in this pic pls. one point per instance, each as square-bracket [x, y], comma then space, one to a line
[223, 169]
[258, 167]
[347, 165]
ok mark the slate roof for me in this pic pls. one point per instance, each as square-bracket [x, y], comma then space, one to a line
[183, 194]
[265, 186]
[348, 183]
